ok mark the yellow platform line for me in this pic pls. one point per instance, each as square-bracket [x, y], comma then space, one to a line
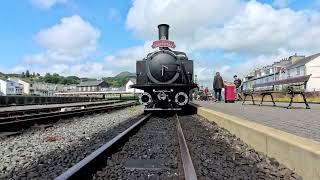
[300, 154]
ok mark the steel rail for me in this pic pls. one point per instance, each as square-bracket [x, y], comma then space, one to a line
[51, 107]
[27, 116]
[90, 164]
[189, 171]
[14, 124]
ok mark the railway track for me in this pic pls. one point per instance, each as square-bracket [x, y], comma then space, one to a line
[18, 122]
[89, 166]
[9, 112]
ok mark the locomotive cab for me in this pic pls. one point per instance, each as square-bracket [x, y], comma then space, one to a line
[165, 76]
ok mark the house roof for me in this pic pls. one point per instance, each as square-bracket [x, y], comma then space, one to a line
[90, 83]
[134, 80]
[24, 80]
[27, 81]
[303, 61]
[3, 79]
[265, 76]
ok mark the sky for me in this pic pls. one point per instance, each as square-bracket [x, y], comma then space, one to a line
[100, 38]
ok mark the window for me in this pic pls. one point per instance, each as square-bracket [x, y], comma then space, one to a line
[298, 71]
[302, 70]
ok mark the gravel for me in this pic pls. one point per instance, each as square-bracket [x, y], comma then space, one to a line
[217, 154]
[157, 142]
[45, 153]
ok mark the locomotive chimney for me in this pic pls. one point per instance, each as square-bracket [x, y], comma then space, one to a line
[163, 31]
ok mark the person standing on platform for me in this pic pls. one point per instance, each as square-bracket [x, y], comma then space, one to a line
[238, 83]
[217, 86]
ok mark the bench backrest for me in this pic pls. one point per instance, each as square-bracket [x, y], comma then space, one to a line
[298, 79]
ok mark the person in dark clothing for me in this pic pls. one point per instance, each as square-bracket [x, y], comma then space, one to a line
[238, 83]
[217, 86]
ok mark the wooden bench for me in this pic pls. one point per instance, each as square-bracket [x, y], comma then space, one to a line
[292, 86]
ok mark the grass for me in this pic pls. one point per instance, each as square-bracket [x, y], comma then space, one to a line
[132, 108]
[297, 98]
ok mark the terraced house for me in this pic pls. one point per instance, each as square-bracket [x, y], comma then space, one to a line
[292, 66]
[87, 86]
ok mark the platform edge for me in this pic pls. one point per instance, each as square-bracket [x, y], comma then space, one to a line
[300, 154]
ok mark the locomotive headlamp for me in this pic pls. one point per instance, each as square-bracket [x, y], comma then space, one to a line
[145, 98]
[181, 98]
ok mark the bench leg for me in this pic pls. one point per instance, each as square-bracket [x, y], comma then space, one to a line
[253, 100]
[244, 100]
[291, 99]
[305, 101]
[262, 99]
[274, 104]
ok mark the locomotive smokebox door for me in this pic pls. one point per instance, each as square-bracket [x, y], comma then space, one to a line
[163, 68]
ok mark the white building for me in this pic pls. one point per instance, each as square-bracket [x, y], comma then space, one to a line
[130, 82]
[26, 84]
[307, 66]
[68, 88]
[44, 89]
[8, 87]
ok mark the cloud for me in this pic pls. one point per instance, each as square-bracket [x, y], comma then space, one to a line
[185, 16]
[262, 29]
[71, 40]
[235, 26]
[67, 47]
[46, 4]
[125, 59]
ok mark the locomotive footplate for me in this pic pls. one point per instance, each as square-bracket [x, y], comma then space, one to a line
[163, 85]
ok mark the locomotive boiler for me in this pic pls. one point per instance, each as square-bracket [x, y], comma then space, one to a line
[165, 75]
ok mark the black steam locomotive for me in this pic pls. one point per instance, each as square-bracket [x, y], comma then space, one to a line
[166, 76]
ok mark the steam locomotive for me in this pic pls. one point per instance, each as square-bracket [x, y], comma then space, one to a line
[165, 75]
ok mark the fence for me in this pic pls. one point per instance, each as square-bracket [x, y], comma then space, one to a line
[34, 100]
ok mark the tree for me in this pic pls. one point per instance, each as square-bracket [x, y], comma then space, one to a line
[38, 74]
[23, 75]
[27, 73]
[71, 80]
[116, 81]
[33, 74]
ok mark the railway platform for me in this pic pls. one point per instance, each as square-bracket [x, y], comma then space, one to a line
[298, 121]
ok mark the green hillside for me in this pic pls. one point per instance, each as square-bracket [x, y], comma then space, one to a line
[116, 81]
